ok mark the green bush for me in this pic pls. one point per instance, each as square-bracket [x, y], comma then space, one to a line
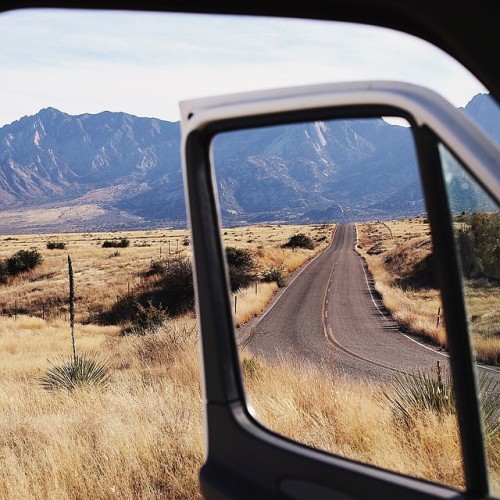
[242, 269]
[22, 261]
[147, 319]
[176, 288]
[56, 245]
[276, 274]
[4, 272]
[479, 245]
[169, 286]
[299, 240]
[121, 243]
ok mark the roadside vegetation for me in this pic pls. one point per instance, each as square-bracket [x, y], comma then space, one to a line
[399, 256]
[135, 432]
[140, 434]
[142, 437]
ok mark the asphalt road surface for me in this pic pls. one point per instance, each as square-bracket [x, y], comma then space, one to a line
[330, 315]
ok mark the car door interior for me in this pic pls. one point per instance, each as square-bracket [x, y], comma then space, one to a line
[244, 459]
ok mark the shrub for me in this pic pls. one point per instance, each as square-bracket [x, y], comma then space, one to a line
[4, 272]
[121, 243]
[274, 274]
[242, 271]
[251, 368]
[147, 319]
[23, 260]
[164, 346]
[479, 245]
[157, 267]
[56, 245]
[170, 288]
[176, 286]
[299, 240]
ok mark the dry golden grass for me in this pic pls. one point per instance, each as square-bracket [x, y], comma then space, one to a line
[265, 243]
[391, 250]
[347, 418]
[251, 301]
[104, 275]
[142, 437]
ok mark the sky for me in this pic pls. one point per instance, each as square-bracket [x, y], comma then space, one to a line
[145, 63]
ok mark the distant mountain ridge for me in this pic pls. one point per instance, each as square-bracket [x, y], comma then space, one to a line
[129, 168]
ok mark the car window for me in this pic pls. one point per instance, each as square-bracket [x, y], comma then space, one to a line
[350, 356]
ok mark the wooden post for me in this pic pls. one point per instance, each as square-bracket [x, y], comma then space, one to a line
[256, 291]
[235, 303]
[15, 309]
[438, 317]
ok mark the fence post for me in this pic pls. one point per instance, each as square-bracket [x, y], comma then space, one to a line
[438, 317]
[235, 303]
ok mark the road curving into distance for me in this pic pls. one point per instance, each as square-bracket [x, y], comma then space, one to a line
[329, 315]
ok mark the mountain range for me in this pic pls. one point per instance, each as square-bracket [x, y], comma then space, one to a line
[108, 171]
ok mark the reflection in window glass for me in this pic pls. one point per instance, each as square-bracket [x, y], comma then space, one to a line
[335, 301]
[476, 221]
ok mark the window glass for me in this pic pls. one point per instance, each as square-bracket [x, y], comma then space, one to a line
[336, 305]
[476, 222]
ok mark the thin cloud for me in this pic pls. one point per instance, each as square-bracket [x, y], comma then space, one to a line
[145, 63]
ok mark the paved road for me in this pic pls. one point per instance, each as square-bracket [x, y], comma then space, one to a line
[329, 315]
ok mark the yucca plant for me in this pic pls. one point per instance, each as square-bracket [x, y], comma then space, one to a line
[78, 370]
[413, 394]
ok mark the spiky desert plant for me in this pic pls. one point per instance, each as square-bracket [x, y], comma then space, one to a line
[413, 394]
[78, 370]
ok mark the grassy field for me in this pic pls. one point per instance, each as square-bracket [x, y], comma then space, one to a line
[398, 255]
[142, 437]
[104, 275]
